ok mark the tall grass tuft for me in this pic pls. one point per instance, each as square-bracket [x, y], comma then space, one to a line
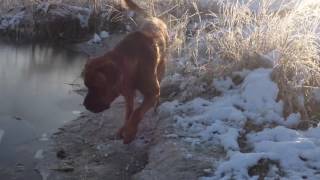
[290, 31]
[216, 38]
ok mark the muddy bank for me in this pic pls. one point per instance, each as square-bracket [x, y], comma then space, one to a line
[87, 148]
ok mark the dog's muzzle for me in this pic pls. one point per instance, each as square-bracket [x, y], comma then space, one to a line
[95, 107]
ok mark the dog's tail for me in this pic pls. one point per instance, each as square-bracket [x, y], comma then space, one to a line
[134, 7]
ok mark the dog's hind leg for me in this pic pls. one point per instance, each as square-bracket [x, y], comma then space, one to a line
[160, 74]
[161, 69]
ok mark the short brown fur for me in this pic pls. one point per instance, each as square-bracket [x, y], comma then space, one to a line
[136, 63]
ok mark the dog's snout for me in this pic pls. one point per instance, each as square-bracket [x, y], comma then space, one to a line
[85, 103]
[95, 107]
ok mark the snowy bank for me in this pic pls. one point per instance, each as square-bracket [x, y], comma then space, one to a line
[55, 21]
[222, 121]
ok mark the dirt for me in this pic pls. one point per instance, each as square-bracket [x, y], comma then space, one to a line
[87, 148]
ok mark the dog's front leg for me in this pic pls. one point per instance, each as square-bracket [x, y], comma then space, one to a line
[129, 105]
[131, 126]
[129, 100]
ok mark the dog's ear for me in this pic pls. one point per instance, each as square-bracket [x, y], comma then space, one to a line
[110, 70]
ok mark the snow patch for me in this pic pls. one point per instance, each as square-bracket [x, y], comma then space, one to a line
[223, 85]
[259, 95]
[221, 120]
[255, 99]
[237, 166]
[44, 7]
[104, 34]
[296, 151]
[15, 20]
[95, 40]
[84, 20]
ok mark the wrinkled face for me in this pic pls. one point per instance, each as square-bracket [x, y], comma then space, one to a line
[101, 90]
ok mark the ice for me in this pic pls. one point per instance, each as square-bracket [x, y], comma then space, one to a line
[1, 134]
[39, 154]
[44, 137]
[76, 112]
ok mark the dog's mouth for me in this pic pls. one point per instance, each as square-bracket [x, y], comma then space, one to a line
[97, 108]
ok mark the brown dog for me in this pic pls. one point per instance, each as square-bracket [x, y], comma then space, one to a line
[136, 63]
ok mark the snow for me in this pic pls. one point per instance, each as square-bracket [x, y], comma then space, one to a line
[12, 21]
[95, 40]
[1, 134]
[223, 84]
[104, 34]
[44, 7]
[296, 151]
[84, 20]
[237, 166]
[221, 121]
[259, 94]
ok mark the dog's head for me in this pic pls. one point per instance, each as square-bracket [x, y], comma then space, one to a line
[100, 77]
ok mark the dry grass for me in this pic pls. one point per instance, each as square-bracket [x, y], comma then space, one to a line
[238, 35]
[292, 33]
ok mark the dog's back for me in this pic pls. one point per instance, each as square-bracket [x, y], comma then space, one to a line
[151, 26]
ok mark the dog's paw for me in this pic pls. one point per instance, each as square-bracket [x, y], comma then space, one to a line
[119, 134]
[129, 134]
[128, 139]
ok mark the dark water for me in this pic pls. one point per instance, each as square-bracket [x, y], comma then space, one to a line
[35, 99]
